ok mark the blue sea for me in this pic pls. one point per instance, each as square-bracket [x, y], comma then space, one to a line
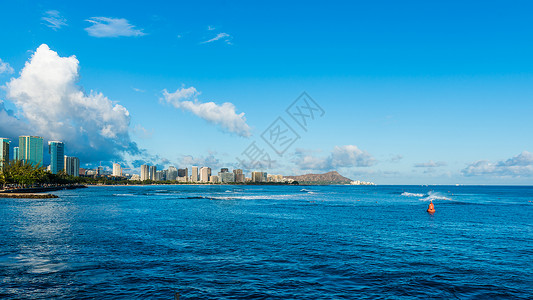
[269, 242]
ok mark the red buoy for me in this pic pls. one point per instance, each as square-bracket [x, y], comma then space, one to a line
[431, 208]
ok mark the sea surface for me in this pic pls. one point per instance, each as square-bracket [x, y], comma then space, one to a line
[269, 242]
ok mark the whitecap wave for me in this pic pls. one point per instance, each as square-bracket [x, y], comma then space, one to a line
[435, 196]
[407, 194]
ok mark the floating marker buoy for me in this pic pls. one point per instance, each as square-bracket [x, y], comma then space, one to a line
[431, 208]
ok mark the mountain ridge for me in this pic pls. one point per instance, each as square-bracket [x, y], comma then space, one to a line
[332, 177]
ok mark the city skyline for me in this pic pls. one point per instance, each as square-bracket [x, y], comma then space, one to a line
[408, 97]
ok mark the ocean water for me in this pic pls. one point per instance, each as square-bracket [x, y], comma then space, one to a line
[269, 242]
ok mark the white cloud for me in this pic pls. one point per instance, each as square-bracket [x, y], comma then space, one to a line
[112, 27]
[211, 28]
[55, 107]
[138, 90]
[347, 156]
[395, 158]
[5, 68]
[223, 115]
[142, 132]
[220, 37]
[519, 165]
[54, 19]
[201, 161]
[430, 164]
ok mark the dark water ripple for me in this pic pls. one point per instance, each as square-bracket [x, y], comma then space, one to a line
[338, 242]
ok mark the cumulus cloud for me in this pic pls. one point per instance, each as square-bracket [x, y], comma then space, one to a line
[10, 125]
[52, 105]
[516, 166]
[430, 164]
[226, 38]
[347, 156]
[142, 132]
[5, 68]
[53, 19]
[112, 27]
[223, 115]
[201, 161]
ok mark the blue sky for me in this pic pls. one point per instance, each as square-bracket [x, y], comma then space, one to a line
[413, 92]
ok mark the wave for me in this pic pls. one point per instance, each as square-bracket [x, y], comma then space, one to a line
[407, 194]
[307, 191]
[435, 196]
[123, 195]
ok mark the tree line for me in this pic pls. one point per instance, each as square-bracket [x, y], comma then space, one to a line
[22, 174]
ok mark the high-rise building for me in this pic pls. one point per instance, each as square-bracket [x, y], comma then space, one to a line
[224, 170]
[183, 175]
[226, 177]
[31, 149]
[183, 172]
[172, 173]
[259, 177]
[72, 165]
[214, 179]
[117, 169]
[16, 155]
[57, 156]
[194, 173]
[205, 172]
[4, 153]
[239, 176]
[160, 175]
[153, 170]
[145, 172]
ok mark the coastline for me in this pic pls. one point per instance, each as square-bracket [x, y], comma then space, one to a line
[37, 192]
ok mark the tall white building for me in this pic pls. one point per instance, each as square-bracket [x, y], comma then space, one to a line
[72, 166]
[205, 173]
[145, 172]
[117, 170]
[194, 173]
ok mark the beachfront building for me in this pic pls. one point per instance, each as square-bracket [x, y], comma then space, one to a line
[31, 149]
[56, 149]
[172, 173]
[16, 153]
[153, 170]
[117, 170]
[226, 177]
[161, 175]
[205, 173]
[4, 153]
[275, 178]
[259, 176]
[239, 175]
[183, 173]
[145, 172]
[194, 173]
[214, 179]
[72, 165]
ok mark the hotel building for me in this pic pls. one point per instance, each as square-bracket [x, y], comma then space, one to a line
[57, 156]
[31, 149]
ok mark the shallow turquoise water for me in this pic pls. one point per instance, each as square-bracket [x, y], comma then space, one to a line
[314, 242]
